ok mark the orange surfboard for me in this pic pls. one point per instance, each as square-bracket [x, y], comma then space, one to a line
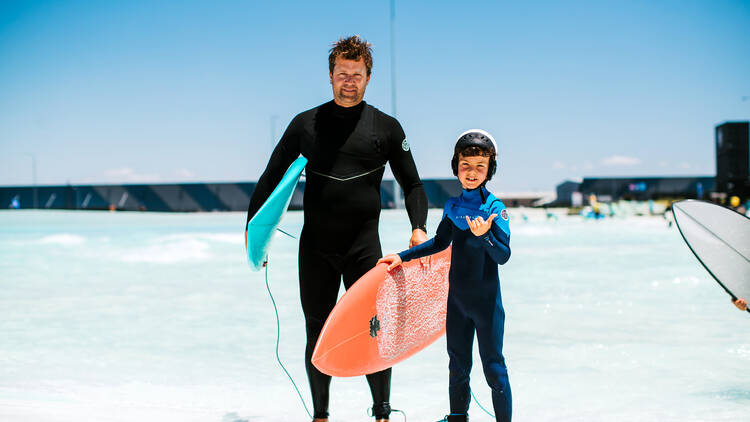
[384, 318]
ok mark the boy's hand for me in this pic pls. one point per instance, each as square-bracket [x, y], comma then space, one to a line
[740, 303]
[479, 226]
[393, 261]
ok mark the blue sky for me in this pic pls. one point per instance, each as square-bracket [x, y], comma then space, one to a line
[192, 91]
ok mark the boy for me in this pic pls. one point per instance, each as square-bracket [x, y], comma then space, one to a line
[476, 223]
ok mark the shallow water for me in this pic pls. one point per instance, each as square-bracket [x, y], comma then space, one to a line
[157, 317]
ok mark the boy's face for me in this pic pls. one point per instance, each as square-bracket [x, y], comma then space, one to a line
[472, 171]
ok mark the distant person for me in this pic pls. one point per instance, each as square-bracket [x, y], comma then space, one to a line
[348, 144]
[740, 303]
[668, 215]
[595, 212]
[736, 204]
[476, 224]
[550, 215]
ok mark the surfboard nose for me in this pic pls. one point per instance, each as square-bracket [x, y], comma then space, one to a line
[261, 228]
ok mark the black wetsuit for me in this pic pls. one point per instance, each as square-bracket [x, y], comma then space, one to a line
[347, 149]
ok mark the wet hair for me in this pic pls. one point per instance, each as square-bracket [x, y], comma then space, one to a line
[351, 48]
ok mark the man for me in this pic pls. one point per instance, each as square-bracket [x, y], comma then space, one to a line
[347, 143]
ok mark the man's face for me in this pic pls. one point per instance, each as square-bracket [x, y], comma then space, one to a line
[472, 171]
[349, 80]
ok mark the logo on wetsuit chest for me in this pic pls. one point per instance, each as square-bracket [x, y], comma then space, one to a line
[472, 216]
[374, 326]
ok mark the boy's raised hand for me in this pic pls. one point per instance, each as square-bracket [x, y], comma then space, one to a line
[479, 226]
[393, 261]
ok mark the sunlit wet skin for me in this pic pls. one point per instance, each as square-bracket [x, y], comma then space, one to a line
[349, 81]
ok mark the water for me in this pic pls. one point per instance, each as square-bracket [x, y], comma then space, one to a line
[157, 317]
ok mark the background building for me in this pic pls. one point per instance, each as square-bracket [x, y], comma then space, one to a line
[732, 176]
[733, 159]
[645, 188]
[635, 188]
[565, 193]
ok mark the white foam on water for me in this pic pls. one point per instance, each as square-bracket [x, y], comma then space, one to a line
[742, 351]
[168, 251]
[536, 230]
[62, 239]
[229, 238]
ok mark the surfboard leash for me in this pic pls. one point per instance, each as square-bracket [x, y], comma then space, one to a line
[292, 236]
[278, 340]
[371, 414]
[480, 404]
[369, 409]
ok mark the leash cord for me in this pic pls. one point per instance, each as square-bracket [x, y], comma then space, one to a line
[278, 340]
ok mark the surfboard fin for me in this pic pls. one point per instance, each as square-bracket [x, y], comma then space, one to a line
[374, 326]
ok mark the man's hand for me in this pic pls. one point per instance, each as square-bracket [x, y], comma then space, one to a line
[479, 226]
[418, 236]
[740, 303]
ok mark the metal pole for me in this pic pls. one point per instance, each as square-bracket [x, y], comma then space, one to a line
[393, 58]
[273, 131]
[33, 178]
[397, 202]
[36, 192]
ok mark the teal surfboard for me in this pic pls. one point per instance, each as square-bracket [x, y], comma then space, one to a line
[261, 228]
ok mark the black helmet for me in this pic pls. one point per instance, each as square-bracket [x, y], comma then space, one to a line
[476, 138]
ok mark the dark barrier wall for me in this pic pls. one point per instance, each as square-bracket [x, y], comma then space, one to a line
[643, 188]
[183, 197]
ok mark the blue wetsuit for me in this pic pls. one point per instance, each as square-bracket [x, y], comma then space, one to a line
[474, 300]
